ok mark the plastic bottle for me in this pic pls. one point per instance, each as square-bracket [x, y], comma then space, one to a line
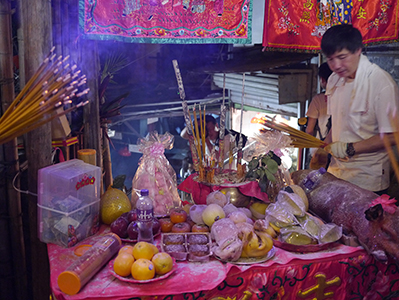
[312, 180]
[86, 266]
[145, 215]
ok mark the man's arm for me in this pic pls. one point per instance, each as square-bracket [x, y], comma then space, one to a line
[184, 133]
[328, 138]
[370, 145]
[310, 126]
[373, 144]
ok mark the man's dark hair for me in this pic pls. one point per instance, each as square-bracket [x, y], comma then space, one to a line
[338, 37]
[324, 71]
[209, 118]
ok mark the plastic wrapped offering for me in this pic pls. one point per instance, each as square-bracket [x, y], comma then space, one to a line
[292, 203]
[297, 236]
[311, 225]
[156, 174]
[279, 216]
[86, 266]
[330, 233]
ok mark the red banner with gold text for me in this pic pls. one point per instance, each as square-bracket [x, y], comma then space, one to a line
[300, 24]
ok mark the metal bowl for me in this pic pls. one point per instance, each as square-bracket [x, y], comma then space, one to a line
[236, 197]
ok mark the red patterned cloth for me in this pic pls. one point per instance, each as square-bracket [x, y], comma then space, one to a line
[342, 271]
[301, 24]
[200, 191]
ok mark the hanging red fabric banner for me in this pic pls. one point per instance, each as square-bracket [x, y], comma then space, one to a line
[167, 21]
[301, 24]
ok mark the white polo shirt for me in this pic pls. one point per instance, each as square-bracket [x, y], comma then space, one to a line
[359, 111]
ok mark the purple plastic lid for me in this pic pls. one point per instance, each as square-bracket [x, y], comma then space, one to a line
[144, 192]
[322, 170]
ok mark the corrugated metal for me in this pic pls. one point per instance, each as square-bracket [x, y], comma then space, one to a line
[260, 91]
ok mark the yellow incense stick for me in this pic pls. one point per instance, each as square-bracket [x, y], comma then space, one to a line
[197, 134]
[53, 85]
[391, 155]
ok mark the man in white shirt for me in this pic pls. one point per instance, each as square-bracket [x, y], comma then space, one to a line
[360, 95]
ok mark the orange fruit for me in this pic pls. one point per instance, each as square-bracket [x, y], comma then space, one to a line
[143, 269]
[156, 250]
[143, 250]
[163, 263]
[123, 264]
[127, 249]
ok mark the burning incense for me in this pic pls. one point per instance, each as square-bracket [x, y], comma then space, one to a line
[299, 138]
[391, 155]
[53, 85]
[393, 117]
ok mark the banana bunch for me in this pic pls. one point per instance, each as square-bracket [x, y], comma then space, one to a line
[257, 242]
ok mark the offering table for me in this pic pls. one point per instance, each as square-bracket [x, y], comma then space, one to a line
[342, 272]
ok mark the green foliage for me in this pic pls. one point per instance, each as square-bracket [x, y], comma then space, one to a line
[111, 108]
[262, 168]
[119, 182]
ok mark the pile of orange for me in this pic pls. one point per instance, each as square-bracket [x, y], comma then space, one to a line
[142, 261]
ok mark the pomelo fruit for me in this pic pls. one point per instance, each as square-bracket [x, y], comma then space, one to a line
[114, 203]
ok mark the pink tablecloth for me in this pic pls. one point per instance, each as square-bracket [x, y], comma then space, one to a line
[214, 278]
[199, 191]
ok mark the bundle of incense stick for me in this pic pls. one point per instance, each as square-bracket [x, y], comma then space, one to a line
[53, 85]
[393, 117]
[199, 130]
[299, 139]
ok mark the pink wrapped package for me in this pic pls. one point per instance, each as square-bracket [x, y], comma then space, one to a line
[156, 174]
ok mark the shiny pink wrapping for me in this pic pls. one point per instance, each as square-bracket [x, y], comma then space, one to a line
[200, 191]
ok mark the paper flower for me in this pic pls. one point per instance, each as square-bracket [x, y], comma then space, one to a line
[388, 205]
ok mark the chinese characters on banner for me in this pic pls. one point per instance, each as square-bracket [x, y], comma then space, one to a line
[300, 24]
[167, 21]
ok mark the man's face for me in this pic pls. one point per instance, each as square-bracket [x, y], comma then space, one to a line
[211, 129]
[344, 63]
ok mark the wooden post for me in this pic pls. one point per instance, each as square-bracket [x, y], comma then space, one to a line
[85, 54]
[17, 287]
[35, 42]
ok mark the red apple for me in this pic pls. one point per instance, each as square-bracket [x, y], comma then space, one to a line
[200, 228]
[124, 215]
[181, 227]
[132, 216]
[166, 224]
[119, 227]
[155, 226]
[178, 215]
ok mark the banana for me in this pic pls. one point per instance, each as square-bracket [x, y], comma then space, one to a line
[258, 244]
[275, 227]
[264, 226]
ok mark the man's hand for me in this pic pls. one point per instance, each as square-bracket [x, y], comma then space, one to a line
[337, 149]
